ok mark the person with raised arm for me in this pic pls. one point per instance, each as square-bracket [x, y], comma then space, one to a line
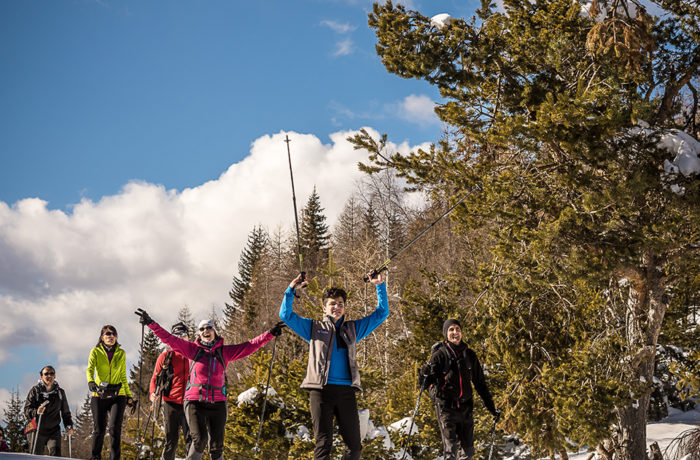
[205, 396]
[332, 374]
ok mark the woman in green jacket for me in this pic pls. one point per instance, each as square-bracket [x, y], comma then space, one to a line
[106, 376]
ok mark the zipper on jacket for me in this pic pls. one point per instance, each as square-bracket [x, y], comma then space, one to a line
[326, 371]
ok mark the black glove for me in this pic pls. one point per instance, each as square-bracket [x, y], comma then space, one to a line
[131, 402]
[424, 376]
[93, 387]
[145, 319]
[496, 415]
[277, 329]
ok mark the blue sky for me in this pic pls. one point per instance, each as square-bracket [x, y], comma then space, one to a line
[133, 135]
[97, 93]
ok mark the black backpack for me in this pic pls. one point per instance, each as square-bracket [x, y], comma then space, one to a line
[442, 388]
[164, 379]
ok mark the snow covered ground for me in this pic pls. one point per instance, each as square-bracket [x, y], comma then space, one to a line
[663, 431]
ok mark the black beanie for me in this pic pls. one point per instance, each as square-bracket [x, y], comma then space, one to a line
[447, 325]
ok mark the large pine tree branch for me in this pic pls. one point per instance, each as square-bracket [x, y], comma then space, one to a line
[672, 89]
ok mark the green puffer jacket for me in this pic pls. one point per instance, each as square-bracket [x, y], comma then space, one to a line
[101, 369]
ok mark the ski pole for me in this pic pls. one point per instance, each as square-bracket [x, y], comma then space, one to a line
[410, 429]
[38, 426]
[70, 448]
[384, 266]
[138, 401]
[493, 437]
[296, 216]
[262, 415]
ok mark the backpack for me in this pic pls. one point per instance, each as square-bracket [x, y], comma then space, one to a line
[164, 379]
[219, 356]
[443, 388]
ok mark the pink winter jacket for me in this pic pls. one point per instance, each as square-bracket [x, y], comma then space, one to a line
[207, 380]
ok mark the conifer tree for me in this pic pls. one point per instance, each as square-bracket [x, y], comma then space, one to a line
[250, 258]
[15, 423]
[184, 315]
[314, 234]
[81, 440]
[549, 107]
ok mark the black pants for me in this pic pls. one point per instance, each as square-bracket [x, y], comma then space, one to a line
[338, 401]
[114, 407]
[52, 443]
[206, 420]
[457, 429]
[174, 420]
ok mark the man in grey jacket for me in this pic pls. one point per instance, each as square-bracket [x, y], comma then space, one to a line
[332, 375]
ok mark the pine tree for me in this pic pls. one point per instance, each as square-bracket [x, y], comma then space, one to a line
[250, 258]
[82, 436]
[586, 237]
[184, 315]
[15, 423]
[314, 235]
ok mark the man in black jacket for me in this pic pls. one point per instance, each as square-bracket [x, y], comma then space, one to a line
[451, 371]
[47, 403]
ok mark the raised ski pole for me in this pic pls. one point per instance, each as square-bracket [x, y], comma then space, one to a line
[296, 216]
[407, 245]
[139, 441]
[267, 385]
[410, 429]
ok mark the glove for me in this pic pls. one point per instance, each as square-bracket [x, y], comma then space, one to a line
[145, 319]
[131, 402]
[277, 329]
[496, 415]
[424, 376]
[93, 387]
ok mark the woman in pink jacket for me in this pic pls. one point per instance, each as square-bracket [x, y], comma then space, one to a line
[205, 396]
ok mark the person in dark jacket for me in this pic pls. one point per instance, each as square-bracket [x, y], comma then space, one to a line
[47, 403]
[169, 381]
[3, 444]
[451, 371]
[332, 373]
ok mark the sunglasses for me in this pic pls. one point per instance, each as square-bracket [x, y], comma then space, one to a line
[205, 328]
[110, 334]
[49, 373]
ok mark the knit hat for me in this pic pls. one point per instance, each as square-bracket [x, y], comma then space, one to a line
[206, 322]
[447, 325]
[180, 329]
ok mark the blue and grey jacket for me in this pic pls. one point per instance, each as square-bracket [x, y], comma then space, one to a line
[328, 362]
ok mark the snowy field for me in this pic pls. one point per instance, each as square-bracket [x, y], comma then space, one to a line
[662, 432]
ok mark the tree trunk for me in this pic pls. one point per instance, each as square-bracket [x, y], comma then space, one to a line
[645, 312]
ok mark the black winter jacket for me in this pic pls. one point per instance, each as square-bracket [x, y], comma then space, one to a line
[451, 372]
[56, 409]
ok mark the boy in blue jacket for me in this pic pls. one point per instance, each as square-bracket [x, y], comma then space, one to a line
[332, 374]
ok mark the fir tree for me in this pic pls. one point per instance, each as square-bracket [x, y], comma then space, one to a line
[586, 237]
[15, 423]
[314, 235]
[184, 315]
[83, 426]
[250, 258]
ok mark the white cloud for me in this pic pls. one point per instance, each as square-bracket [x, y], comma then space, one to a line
[63, 276]
[419, 109]
[4, 401]
[343, 47]
[337, 27]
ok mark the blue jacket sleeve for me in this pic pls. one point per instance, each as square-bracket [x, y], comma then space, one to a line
[302, 326]
[368, 324]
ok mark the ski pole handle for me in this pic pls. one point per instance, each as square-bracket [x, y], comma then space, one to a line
[303, 278]
[374, 273]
